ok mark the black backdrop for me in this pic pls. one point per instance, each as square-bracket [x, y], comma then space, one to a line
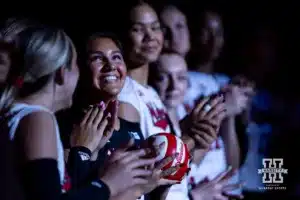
[240, 19]
[78, 17]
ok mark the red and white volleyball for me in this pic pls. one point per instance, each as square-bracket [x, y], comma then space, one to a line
[165, 145]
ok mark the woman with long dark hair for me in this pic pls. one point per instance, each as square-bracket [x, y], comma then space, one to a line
[103, 77]
[41, 83]
[142, 37]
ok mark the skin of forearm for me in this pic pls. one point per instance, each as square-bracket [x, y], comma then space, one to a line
[229, 136]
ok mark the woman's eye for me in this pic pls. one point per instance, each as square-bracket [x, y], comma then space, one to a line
[96, 59]
[137, 29]
[117, 57]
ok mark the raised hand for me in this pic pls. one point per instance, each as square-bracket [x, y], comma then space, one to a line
[247, 85]
[203, 123]
[235, 100]
[217, 189]
[156, 178]
[127, 169]
[91, 129]
[112, 111]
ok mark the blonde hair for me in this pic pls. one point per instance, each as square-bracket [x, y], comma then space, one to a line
[42, 50]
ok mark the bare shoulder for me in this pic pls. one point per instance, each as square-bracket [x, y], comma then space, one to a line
[129, 112]
[38, 133]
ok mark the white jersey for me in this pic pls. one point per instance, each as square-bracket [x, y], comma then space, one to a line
[202, 84]
[153, 114]
[214, 162]
[153, 120]
[15, 115]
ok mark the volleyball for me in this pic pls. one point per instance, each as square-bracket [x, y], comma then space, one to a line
[165, 145]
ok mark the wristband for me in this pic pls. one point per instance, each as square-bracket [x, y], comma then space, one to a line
[101, 185]
[83, 152]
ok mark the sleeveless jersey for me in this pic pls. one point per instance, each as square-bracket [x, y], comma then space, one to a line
[15, 115]
[153, 114]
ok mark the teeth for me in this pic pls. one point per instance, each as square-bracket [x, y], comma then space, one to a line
[110, 78]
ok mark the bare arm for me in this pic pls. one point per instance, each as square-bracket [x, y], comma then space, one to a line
[37, 143]
[128, 112]
[198, 155]
[229, 136]
[38, 135]
[188, 141]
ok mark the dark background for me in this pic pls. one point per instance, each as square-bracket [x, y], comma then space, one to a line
[241, 18]
[77, 17]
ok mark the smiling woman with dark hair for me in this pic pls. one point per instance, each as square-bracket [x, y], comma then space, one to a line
[104, 73]
[143, 40]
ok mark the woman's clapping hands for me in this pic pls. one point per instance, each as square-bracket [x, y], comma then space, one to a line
[203, 123]
[217, 189]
